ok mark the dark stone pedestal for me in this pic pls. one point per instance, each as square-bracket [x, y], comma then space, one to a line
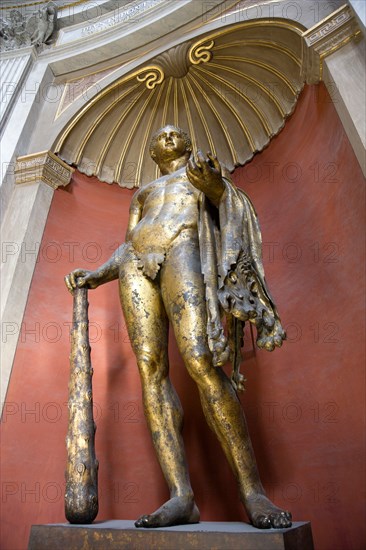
[118, 534]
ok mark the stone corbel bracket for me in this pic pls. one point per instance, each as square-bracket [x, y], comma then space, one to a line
[44, 166]
[326, 37]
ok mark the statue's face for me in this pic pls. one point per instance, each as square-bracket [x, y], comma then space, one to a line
[169, 144]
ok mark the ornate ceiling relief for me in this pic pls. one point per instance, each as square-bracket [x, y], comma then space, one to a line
[18, 31]
[231, 90]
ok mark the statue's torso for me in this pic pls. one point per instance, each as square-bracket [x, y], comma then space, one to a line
[169, 206]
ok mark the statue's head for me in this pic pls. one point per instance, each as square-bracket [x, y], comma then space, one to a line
[51, 10]
[170, 143]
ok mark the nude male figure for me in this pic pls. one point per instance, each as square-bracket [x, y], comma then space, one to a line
[161, 282]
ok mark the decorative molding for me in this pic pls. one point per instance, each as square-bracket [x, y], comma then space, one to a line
[44, 166]
[131, 12]
[107, 22]
[328, 26]
[326, 37]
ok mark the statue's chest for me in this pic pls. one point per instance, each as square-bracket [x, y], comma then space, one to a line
[174, 189]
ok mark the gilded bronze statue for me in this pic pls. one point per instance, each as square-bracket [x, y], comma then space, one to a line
[193, 252]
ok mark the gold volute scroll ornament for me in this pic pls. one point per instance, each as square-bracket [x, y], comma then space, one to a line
[81, 495]
[192, 254]
[152, 76]
[201, 52]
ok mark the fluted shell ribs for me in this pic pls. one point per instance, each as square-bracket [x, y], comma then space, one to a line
[231, 91]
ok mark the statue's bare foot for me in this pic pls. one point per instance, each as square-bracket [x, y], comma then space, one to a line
[176, 511]
[264, 514]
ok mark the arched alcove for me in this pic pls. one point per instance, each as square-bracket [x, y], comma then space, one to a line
[231, 90]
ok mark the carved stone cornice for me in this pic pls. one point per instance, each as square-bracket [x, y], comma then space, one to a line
[44, 166]
[326, 37]
[123, 14]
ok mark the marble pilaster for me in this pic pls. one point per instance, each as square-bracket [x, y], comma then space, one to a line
[344, 74]
[21, 233]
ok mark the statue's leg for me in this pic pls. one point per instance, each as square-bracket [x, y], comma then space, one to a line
[183, 294]
[147, 326]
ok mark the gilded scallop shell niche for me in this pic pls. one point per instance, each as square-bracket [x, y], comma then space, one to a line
[232, 90]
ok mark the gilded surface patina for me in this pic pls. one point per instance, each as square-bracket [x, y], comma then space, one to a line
[192, 252]
[81, 495]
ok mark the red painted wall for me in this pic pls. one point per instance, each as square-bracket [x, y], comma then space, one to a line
[304, 403]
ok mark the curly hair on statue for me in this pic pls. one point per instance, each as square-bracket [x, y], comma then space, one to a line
[155, 136]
